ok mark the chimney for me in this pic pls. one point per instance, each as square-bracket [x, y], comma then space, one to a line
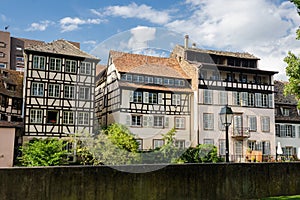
[186, 41]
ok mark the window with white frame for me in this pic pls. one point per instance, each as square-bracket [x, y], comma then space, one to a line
[37, 89]
[258, 102]
[251, 99]
[85, 68]
[2, 65]
[138, 78]
[83, 118]
[179, 122]
[71, 66]
[140, 143]
[158, 143]
[289, 151]
[264, 100]
[84, 93]
[236, 98]
[222, 145]
[238, 147]
[152, 98]
[168, 81]
[158, 81]
[69, 91]
[286, 112]
[136, 97]
[147, 121]
[176, 99]
[180, 144]
[270, 96]
[208, 141]
[2, 55]
[36, 116]
[208, 97]
[244, 98]
[158, 121]
[179, 82]
[136, 120]
[265, 124]
[285, 130]
[223, 99]
[68, 117]
[55, 64]
[252, 123]
[54, 90]
[39, 62]
[148, 79]
[208, 121]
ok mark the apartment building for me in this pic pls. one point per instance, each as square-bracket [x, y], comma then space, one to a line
[149, 94]
[234, 79]
[287, 119]
[59, 84]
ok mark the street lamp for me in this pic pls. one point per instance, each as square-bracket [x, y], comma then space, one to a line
[226, 118]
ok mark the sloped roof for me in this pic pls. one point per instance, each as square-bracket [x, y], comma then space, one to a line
[149, 65]
[61, 47]
[279, 96]
[245, 55]
[14, 78]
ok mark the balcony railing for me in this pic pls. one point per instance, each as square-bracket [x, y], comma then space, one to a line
[240, 132]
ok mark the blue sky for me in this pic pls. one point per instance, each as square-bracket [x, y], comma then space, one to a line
[265, 28]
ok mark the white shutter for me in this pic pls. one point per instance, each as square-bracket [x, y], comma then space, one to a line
[258, 99]
[128, 120]
[150, 121]
[166, 121]
[235, 98]
[145, 121]
[244, 101]
[146, 97]
[131, 96]
[160, 98]
[270, 100]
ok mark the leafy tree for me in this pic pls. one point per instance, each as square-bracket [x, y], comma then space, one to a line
[293, 68]
[43, 152]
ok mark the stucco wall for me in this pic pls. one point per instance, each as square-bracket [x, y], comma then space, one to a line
[7, 140]
[198, 181]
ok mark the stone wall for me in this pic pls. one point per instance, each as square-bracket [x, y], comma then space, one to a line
[188, 181]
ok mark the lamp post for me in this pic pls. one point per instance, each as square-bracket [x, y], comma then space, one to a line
[226, 118]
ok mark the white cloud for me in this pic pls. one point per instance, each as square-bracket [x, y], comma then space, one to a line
[139, 11]
[140, 36]
[41, 26]
[71, 24]
[90, 42]
[3, 18]
[261, 27]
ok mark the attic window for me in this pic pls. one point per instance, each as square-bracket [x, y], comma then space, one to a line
[11, 87]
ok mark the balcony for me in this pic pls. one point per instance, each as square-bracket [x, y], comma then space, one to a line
[240, 133]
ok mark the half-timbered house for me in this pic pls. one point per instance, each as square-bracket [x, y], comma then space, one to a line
[287, 119]
[58, 90]
[231, 78]
[149, 94]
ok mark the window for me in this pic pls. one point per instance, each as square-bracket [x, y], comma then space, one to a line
[208, 141]
[208, 97]
[158, 121]
[55, 64]
[71, 66]
[176, 99]
[158, 81]
[243, 78]
[289, 151]
[286, 112]
[83, 118]
[2, 45]
[203, 74]
[126, 77]
[36, 116]
[238, 146]
[152, 98]
[54, 90]
[137, 97]
[258, 102]
[147, 121]
[168, 81]
[136, 120]
[140, 143]
[84, 93]
[264, 100]
[52, 117]
[69, 91]
[230, 77]
[4, 101]
[265, 124]
[208, 121]
[2, 65]
[158, 143]
[2, 55]
[180, 144]
[85, 68]
[244, 99]
[179, 82]
[252, 123]
[148, 79]
[223, 100]
[179, 122]
[251, 99]
[39, 62]
[68, 117]
[236, 98]
[16, 104]
[19, 48]
[138, 78]
[37, 89]
[284, 130]
[222, 144]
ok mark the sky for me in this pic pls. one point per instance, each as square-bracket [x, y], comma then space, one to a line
[264, 28]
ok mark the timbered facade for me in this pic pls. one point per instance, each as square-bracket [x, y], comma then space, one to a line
[230, 78]
[58, 90]
[149, 94]
[287, 118]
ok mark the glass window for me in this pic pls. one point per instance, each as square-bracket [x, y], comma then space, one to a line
[68, 117]
[39, 62]
[83, 118]
[52, 117]
[180, 144]
[252, 123]
[85, 68]
[179, 122]
[265, 124]
[158, 143]
[54, 90]
[222, 145]
[236, 98]
[136, 120]
[137, 97]
[208, 121]
[148, 79]
[69, 91]
[84, 93]
[168, 81]
[138, 78]
[179, 82]
[37, 89]
[208, 141]
[152, 98]
[176, 99]
[140, 142]
[158, 81]
[55, 64]
[71, 66]
[158, 121]
[251, 99]
[36, 116]
[208, 97]
[223, 99]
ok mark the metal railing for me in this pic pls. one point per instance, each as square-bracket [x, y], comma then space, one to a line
[241, 132]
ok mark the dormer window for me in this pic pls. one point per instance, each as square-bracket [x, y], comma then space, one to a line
[286, 112]
[11, 87]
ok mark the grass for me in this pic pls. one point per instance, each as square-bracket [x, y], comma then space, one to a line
[283, 197]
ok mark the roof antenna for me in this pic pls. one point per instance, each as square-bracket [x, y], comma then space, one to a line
[6, 27]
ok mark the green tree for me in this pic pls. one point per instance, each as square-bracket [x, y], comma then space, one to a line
[293, 68]
[43, 152]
